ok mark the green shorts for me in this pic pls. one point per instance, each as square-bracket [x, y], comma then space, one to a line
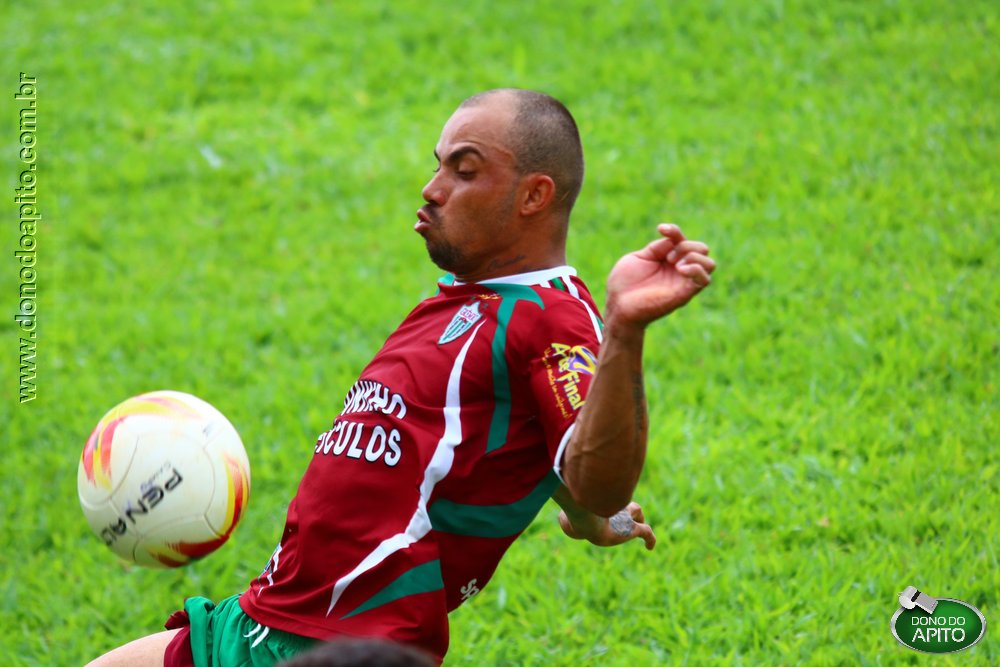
[222, 635]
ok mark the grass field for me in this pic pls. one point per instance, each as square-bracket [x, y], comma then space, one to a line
[228, 194]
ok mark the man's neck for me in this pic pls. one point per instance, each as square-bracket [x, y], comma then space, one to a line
[513, 263]
[534, 277]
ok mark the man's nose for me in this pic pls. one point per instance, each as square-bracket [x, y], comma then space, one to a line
[434, 191]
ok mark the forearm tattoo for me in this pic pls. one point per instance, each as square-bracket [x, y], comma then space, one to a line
[622, 523]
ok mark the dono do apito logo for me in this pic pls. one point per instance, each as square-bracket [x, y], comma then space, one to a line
[930, 625]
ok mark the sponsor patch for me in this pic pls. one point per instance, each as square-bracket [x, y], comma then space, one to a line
[571, 362]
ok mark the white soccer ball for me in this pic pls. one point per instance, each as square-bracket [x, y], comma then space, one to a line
[164, 479]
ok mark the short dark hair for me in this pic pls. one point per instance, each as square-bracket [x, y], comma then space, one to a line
[544, 138]
[362, 653]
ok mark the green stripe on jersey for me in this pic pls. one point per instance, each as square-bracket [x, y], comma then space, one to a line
[421, 579]
[500, 423]
[492, 520]
[559, 284]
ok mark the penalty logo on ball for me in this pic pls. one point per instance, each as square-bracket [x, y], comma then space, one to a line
[163, 479]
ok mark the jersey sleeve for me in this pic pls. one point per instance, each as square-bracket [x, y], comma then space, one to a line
[559, 349]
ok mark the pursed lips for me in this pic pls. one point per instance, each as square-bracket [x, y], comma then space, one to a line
[424, 220]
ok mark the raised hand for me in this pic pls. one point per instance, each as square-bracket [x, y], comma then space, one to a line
[650, 283]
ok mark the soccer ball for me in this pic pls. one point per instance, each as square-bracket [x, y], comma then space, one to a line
[163, 479]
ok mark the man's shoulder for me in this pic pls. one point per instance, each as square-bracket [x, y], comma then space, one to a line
[558, 313]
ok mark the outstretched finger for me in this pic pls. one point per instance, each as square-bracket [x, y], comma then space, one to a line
[645, 533]
[672, 232]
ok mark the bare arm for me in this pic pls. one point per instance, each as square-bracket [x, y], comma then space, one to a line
[606, 451]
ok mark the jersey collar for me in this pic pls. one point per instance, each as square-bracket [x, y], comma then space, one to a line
[530, 278]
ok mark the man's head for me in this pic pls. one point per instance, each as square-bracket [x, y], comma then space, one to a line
[544, 139]
[511, 166]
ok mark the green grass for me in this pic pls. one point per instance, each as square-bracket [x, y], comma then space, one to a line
[824, 417]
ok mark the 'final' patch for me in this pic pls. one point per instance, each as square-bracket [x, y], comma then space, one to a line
[564, 375]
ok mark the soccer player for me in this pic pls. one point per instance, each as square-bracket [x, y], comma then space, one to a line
[502, 390]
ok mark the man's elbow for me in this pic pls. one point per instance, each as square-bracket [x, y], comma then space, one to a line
[602, 485]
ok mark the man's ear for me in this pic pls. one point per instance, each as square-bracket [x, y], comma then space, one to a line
[537, 194]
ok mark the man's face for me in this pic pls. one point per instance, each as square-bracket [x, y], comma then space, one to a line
[471, 198]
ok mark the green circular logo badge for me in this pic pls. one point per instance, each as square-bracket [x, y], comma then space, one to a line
[952, 626]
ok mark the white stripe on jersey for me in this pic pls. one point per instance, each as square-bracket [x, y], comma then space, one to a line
[530, 278]
[261, 637]
[557, 466]
[590, 311]
[440, 465]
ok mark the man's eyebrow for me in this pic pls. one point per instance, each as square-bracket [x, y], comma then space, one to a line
[459, 153]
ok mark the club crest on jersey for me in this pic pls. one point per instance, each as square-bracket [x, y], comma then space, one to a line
[464, 319]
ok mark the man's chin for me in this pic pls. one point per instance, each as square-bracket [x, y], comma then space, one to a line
[444, 256]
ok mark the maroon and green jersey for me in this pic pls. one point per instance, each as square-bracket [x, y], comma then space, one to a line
[447, 447]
